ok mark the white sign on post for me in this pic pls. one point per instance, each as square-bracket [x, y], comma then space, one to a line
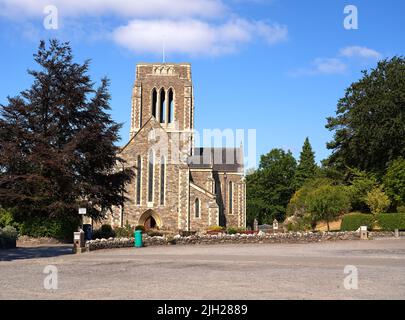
[82, 211]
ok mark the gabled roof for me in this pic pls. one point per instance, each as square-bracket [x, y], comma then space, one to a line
[140, 129]
[219, 159]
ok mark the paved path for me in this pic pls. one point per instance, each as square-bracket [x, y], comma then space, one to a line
[267, 271]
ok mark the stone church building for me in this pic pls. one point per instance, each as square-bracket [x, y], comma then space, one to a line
[176, 186]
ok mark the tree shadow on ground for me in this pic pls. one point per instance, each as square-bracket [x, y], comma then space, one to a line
[35, 252]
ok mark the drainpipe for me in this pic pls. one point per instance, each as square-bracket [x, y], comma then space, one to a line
[225, 197]
[122, 206]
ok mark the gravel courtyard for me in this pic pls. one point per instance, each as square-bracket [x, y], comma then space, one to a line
[266, 271]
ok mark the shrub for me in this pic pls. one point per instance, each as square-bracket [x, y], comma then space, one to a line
[6, 218]
[9, 232]
[377, 200]
[394, 182]
[232, 230]
[215, 228]
[401, 209]
[140, 227]
[327, 203]
[235, 230]
[353, 221]
[59, 228]
[105, 232]
[298, 204]
[8, 237]
[391, 221]
[154, 233]
[361, 183]
[125, 232]
[295, 223]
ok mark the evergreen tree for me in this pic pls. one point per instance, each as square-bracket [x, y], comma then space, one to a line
[57, 142]
[307, 168]
[270, 187]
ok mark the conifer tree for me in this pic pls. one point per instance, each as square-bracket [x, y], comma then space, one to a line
[307, 168]
[57, 142]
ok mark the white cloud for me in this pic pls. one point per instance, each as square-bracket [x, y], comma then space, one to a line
[203, 27]
[126, 8]
[361, 52]
[194, 36]
[271, 33]
[336, 65]
[329, 66]
[322, 66]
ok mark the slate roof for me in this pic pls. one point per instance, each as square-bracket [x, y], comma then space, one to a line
[219, 159]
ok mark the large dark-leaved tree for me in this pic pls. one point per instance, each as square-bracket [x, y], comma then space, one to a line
[369, 127]
[57, 142]
[270, 187]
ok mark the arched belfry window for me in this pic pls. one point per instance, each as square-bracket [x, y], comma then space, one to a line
[162, 105]
[170, 113]
[150, 175]
[197, 208]
[138, 180]
[162, 180]
[154, 102]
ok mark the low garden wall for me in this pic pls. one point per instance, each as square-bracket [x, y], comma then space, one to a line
[384, 234]
[290, 237]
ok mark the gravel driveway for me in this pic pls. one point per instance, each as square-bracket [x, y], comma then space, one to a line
[263, 271]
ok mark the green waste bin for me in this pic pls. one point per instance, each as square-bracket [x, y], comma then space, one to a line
[138, 239]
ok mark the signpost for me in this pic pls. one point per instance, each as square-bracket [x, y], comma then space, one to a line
[82, 212]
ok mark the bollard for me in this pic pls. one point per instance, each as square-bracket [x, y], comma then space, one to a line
[79, 242]
[396, 233]
[363, 233]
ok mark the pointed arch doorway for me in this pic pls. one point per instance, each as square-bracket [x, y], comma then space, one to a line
[150, 220]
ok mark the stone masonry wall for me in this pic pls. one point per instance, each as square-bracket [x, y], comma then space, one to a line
[291, 237]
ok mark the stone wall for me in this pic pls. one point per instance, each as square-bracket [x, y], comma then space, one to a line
[291, 237]
[384, 234]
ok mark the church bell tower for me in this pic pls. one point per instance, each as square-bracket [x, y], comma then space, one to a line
[163, 91]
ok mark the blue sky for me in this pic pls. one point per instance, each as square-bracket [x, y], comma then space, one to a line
[277, 66]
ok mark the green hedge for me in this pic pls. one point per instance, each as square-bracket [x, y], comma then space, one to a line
[391, 221]
[351, 222]
[59, 228]
[105, 232]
